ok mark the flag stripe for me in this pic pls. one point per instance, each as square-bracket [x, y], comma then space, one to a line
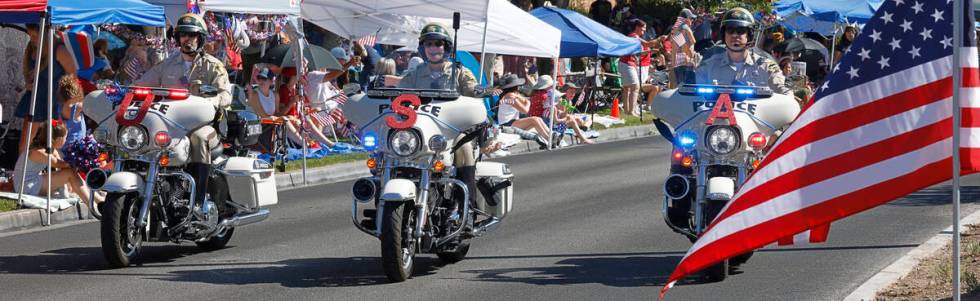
[841, 164]
[855, 138]
[851, 183]
[876, 89]
[863, 114]
[824, 212]
[971, 118]
[971, 77]
[969, 160]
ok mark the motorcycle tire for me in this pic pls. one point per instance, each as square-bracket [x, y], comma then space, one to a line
[454, 256]
[397, 246]
[717, 272]
[217, 242]
[120, 240]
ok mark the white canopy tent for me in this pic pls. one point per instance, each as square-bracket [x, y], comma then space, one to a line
[510, 30]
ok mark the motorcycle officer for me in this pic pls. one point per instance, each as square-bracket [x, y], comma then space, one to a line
[435, 44]
[192, 69]
[740, 64]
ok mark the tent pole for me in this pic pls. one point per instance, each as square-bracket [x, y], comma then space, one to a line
[51, 54]
[30, 113]
[552, 114]
[483, 47]
[833, 46]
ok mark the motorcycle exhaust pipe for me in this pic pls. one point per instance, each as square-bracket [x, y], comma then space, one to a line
[676, 186]
[246, 219]
[365, 190]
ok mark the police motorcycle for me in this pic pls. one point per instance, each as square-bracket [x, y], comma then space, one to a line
[149, 197]
[719, 136]
[412, 202]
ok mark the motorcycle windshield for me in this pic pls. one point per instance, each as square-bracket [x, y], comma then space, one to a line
[691, 107]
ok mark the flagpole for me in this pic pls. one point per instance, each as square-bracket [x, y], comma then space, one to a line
[957, 83]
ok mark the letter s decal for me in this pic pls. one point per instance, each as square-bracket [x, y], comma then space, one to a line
[399, 107]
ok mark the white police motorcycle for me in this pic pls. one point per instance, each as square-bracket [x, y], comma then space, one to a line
[149, 197]
[720, 134]
[412, 202]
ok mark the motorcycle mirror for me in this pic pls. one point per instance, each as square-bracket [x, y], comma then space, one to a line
[456, 20]
[208, 91]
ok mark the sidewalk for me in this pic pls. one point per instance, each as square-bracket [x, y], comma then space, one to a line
[901, 267]
[22, 219]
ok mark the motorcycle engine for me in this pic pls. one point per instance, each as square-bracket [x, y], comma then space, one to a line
[174, 195]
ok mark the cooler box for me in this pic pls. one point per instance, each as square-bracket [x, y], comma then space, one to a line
[495, 182]
[251, 182]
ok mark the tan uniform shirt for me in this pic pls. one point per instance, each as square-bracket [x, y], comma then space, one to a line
[205, 70]
[757, 71]
[423, 78]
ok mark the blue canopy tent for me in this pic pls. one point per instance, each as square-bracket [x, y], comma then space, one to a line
[821, 16]
[582, 37]
[85, 12]
[75, 13]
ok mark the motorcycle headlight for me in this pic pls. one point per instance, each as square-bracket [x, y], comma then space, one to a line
[132, 137]
[722, 140]
[404, 142]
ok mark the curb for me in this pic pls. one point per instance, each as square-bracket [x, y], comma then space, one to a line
[904, 265]
[353, 170]
[21, 219]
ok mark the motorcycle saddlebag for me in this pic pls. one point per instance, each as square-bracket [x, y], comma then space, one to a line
[494, 181]
[251, 182]
[244, 128]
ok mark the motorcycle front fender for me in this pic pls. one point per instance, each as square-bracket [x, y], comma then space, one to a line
[123, 182]
[398, 190]
[720, 189]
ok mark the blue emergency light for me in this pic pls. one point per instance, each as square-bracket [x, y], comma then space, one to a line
[686, 139]
[370, 141]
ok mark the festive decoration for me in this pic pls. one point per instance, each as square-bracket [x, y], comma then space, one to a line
[124, 33]
[217, 33]
[82, 154]
[114, 93]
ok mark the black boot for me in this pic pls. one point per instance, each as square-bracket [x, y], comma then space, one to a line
[200, 172]
[542, 142]
[467, 175]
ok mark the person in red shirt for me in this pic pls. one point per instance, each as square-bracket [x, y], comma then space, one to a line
[630, 69]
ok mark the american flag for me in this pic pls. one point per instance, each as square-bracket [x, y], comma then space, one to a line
[79, 40]
[880, 128]
[334, 117]
[368, 41]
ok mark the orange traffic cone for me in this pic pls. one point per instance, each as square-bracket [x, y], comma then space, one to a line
[615, 108]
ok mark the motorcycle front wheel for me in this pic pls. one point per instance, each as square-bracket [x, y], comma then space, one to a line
[121, 240]
[397, 244]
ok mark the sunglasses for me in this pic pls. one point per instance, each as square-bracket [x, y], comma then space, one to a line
[433, 43]
[737, 30]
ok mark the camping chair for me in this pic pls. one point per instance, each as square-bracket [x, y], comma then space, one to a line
[274, 141]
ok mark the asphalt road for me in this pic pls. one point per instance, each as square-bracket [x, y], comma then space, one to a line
[586, 226]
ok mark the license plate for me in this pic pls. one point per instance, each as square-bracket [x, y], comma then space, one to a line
[252, 130]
